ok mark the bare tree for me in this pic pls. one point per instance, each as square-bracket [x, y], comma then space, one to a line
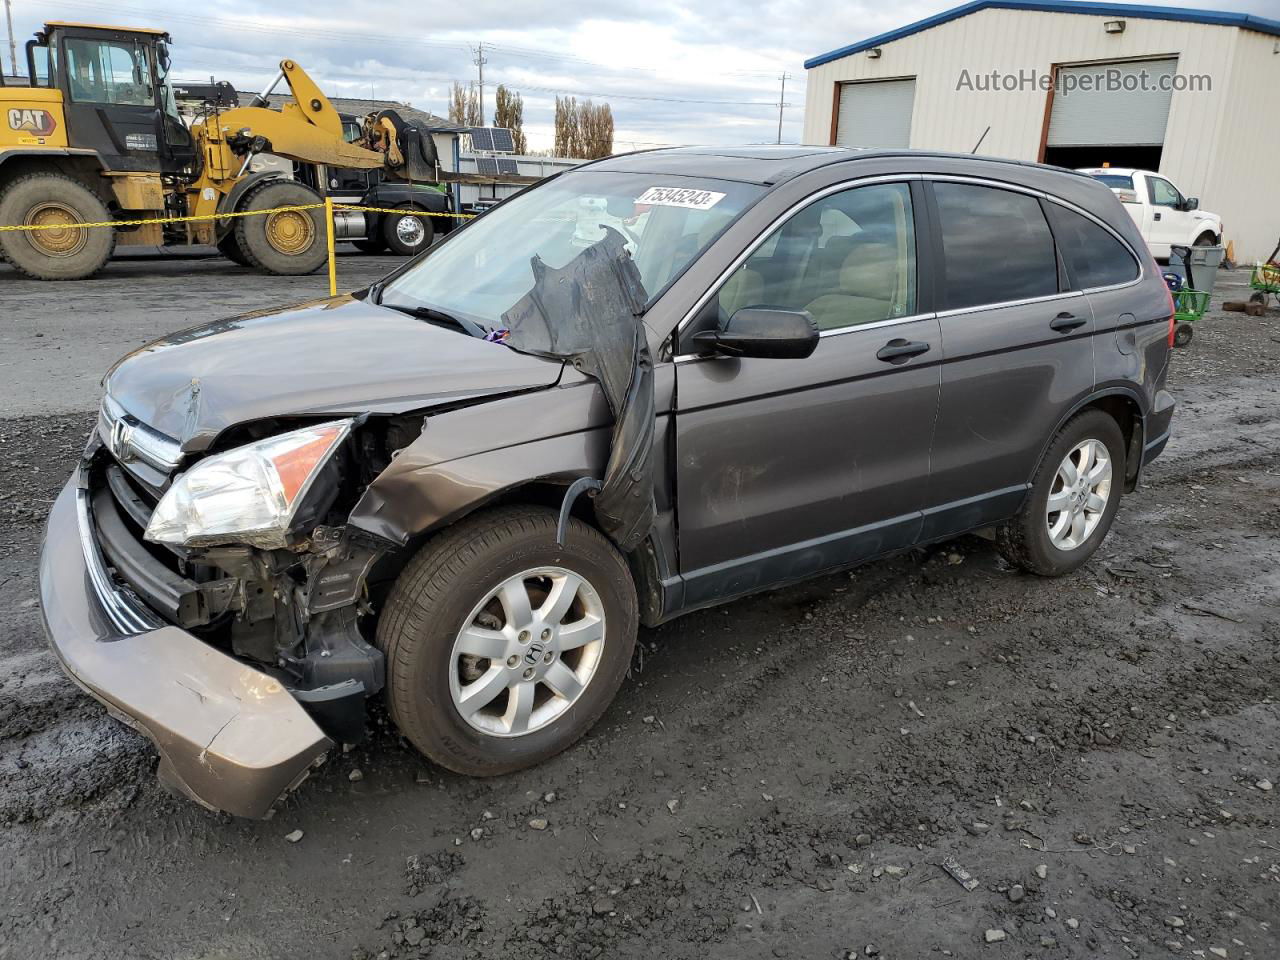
[583, 130]
[464, 105]
[508, 112]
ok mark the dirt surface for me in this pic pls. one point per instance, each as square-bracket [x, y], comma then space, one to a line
[781, 777]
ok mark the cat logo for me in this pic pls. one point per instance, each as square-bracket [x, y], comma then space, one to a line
[39, 122]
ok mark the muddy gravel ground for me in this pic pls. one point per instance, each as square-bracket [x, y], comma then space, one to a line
[786, 776]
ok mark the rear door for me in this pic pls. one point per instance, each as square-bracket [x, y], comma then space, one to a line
[789, 467]
[1017, 350]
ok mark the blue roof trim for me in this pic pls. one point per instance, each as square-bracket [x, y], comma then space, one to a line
[1220, 18]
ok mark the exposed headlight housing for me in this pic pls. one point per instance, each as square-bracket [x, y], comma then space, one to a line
[247, 495]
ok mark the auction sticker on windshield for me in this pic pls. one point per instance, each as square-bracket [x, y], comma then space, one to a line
[680, 197]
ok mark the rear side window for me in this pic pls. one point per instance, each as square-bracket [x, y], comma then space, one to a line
[1094, 257]
[996, 246]
[1114, 180]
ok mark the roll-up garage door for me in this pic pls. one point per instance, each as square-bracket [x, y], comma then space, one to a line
[1112, 104]
[875, 114]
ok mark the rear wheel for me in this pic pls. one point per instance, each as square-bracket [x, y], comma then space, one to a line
[502, 646]
[406, 234]
[1073, 498]
[61, 250]
[289, 243]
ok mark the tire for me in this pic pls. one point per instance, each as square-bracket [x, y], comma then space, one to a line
[1025, 540]
[392, 234]
[55, 254]
[371, 245]
[286, 244]
[229, 247]
[1182, 335]
[442, 586]
[1206, 240]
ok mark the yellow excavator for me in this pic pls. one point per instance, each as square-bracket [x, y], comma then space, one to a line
[96, 136]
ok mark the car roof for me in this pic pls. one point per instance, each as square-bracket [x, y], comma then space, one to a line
[769, 165]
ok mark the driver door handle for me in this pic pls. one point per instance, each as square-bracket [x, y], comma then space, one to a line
[900, 351]
[1067, 321]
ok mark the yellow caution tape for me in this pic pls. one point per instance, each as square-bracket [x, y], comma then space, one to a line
[224, 216]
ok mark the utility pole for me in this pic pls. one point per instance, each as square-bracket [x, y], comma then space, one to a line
[782, 102]
[479, 61]
[13, 49]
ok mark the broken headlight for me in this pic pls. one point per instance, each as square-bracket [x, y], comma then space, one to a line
[247, 495]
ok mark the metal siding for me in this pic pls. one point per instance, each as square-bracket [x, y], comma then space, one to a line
[1213, 146]
[876, 114]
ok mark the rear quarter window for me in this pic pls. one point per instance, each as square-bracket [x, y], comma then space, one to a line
[996, 246]
[1093, 256]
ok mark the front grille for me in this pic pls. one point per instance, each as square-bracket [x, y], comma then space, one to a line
[162, 578]
[132, 441]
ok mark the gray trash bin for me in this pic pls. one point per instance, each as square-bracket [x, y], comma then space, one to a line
[1204, 266]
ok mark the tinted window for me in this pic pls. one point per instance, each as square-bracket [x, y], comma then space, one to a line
[996, 246]
[848, 259]
[1093, 256]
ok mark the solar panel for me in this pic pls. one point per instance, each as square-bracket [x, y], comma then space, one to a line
[492, 140]
[507, 166]
[486, 166]
[503, 142]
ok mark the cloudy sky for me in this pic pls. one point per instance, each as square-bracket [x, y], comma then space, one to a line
[673, 73]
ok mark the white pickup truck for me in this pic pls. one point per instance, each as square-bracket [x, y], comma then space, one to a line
[1164, 216]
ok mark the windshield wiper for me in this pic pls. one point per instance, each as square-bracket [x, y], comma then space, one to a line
[423, 312]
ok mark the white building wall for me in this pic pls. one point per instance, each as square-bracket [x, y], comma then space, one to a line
[1201, 129]
[1243, 185]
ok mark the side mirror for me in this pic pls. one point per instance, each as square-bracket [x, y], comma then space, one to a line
[763, 332]
[1191, 203]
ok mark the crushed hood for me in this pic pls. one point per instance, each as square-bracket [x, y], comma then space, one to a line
[328, 357]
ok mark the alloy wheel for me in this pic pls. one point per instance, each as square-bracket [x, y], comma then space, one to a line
[1079, 496]
[527, 652]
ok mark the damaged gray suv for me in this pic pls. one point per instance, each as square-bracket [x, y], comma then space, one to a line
[651, 384]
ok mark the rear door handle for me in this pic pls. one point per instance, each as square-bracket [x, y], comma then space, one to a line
[1067, 321]
[900, 351]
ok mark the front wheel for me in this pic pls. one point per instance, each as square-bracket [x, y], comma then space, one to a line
[289, 242]
[1073, 498]
[503, 648]
[405, 234]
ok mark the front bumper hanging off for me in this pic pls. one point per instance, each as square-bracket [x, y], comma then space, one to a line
[230, 737]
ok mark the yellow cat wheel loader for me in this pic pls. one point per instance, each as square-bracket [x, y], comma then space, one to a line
[96, 137]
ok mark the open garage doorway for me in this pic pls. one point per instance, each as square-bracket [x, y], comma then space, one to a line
[1109, 114]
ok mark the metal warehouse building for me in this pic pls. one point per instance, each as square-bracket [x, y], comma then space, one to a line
[1191, 94]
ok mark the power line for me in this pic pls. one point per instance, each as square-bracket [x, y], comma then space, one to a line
[347, 36]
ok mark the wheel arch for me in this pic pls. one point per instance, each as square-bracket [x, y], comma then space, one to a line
[1125, 406]
[83, 166]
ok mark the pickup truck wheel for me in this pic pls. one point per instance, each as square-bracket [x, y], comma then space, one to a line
[502, 647]
[1073, 499]
[405, 234]
[62, 250]
[288, 243]
[1206, 240]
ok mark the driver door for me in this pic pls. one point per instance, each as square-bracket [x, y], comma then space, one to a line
[1170, 224]
[108, 87]
[786, 468]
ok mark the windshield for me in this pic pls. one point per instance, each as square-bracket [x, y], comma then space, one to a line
[483, 271]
